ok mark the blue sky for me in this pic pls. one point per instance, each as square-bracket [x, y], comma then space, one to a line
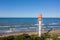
[29, 8]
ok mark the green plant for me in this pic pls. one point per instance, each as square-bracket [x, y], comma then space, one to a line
[47, 35]
[30, 37]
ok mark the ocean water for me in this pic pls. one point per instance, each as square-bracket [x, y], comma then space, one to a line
[8, 25]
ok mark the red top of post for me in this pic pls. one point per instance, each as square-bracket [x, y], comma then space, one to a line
[40, 17]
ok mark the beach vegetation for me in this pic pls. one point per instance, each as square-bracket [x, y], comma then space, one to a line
[31, 37]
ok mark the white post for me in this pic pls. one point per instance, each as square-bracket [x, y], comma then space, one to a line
[39, 28]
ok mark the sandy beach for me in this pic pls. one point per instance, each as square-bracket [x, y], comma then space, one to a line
[30, 33]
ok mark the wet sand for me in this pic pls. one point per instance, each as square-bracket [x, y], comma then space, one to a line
[30, 33]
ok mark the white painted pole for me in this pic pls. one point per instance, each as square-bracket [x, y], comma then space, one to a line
[39, 28]
[40, 24]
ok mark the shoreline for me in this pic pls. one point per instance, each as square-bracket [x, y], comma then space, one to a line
[30, 33]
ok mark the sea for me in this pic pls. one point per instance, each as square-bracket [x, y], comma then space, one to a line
[9, 25]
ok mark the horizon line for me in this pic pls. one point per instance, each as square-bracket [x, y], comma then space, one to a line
[29, 17]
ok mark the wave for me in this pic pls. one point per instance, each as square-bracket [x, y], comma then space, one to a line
[53, 24]
[8, 31]
[38, 24]
[32, 27]
[4, 26]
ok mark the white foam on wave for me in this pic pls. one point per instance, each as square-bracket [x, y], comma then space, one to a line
[53, 24]
[32, 27]
[5, 31]
[38, 24]
[23, 28]
[4, 26]
[8, 31]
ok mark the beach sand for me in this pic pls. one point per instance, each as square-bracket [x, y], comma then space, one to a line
[57, 31]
